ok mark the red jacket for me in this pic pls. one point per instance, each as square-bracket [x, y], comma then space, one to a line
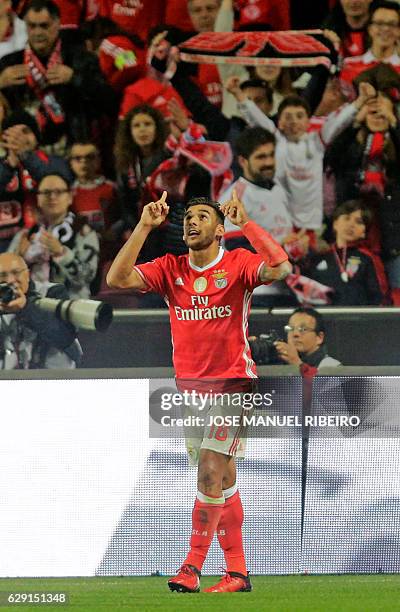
[176, 14]
[134, 16]
[275, 12]
[121, 61]
[149, 91]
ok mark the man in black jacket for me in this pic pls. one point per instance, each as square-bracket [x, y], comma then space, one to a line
[21, 169]
[61, 84]
[29, 336]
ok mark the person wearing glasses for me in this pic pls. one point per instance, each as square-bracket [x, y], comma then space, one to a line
[305, 346]
[349, 19]
[384, 33]
[31, 338]
[22, 165]
[61, 248]
[95, 197]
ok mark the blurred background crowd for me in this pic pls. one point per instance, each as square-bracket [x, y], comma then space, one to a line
[99, 114]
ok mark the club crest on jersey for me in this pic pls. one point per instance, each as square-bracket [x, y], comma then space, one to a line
[353, 264]
[220, 280]
[200, 284]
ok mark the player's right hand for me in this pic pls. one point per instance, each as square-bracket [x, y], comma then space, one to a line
[155, 213]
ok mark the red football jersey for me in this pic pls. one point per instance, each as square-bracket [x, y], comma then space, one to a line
[134, 16]
[353, 66]
[274, 12]
[209, 81]
[72, 12]
[354, 43]
[209, 309]
[121, 61]
[97, 201]
[176, 14]
[150, 91]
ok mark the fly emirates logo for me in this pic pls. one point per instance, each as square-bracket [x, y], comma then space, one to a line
[201, 310]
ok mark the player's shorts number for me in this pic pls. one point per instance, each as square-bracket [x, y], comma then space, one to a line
[219, 433]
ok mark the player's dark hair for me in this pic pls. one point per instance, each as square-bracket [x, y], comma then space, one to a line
[206, 202]
[262, 85]
[351, 206]
[251, 138]
[296, 101]
[319, 321]
[43, 5]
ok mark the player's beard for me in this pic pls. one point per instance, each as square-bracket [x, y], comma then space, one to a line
[203, 243]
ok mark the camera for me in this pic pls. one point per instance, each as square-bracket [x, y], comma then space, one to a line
[7, 293]
[84, 314]
[263, 349]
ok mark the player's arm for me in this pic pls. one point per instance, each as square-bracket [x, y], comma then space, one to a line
[276, 266]
[122, 275]
[276, 273]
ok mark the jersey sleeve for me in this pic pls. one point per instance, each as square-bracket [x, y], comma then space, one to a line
[154, 274]
[250, 265]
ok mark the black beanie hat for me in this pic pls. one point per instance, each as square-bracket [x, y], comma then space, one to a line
[22, 118]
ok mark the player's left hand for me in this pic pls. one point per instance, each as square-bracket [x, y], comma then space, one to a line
[288, 353]
[235, 211]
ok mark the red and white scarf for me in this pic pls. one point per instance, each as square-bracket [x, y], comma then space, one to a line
[373, 173]
[291, 48]
[50, 109]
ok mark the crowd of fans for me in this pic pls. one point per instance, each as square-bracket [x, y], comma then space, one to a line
[99, 114]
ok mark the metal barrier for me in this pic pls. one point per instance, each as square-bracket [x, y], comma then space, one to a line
[157, 315]
[141, 338]
[164, 373]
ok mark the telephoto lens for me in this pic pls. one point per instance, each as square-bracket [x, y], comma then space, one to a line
[83, 314]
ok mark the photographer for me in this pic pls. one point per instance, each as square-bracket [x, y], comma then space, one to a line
[30, 337]
[305, 343]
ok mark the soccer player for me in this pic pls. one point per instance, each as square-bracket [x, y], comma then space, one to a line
[209, 294]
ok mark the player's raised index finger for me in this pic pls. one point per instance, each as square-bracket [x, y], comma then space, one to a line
[235, 196]
[163, 197]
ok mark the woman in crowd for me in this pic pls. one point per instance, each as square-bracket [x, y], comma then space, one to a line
[367, 154]
[280, 81]
[139, 149]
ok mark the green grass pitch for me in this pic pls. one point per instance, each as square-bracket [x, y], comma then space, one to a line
[358, 593]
